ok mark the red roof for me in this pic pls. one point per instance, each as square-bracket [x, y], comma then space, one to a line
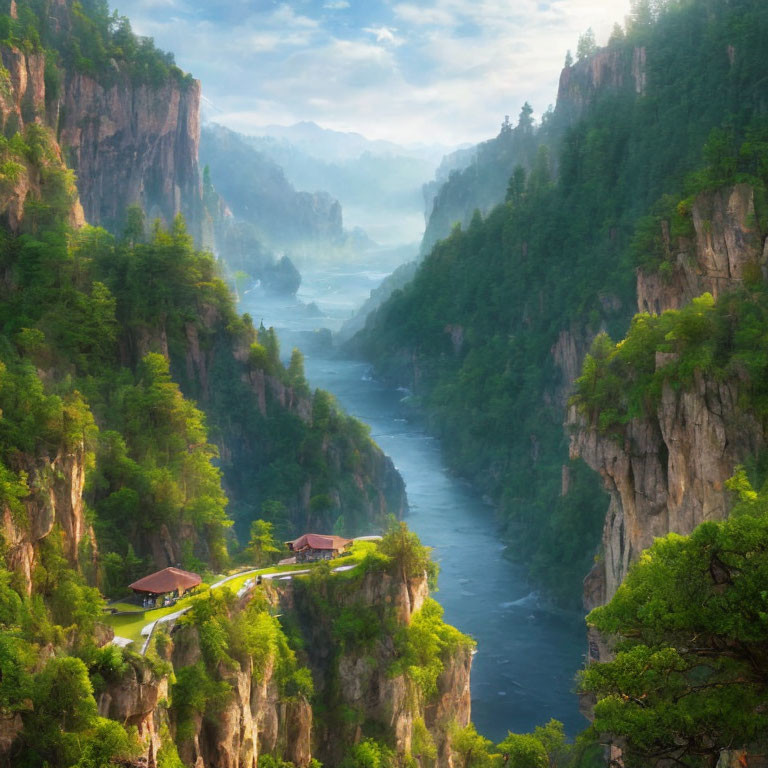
[317, 541]
[167, 580]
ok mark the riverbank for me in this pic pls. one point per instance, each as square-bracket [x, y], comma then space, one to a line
[528, 653]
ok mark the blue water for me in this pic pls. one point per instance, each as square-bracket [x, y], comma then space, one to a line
[528, 653]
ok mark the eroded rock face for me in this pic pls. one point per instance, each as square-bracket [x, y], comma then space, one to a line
[133, 144]
[360, 679]
[128, 143]
[607, 69]
[57, 499]
[726, 244]
[22, 103]
[668, 471]
[255, 719]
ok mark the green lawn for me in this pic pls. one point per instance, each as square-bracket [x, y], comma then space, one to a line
[130, 626]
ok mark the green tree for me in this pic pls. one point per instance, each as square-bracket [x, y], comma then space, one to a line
[690, 674]
[135, 223]
[586, 46]
[411, 558]
[369, 754]
[472, 749]
[523, 751]
[262, 546]
[525, 120]
[296, 376]
[516, 187]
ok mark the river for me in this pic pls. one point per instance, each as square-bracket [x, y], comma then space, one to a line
[528, 653]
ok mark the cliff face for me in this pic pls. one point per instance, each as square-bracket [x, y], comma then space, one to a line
[668, 472]
[358, 679]
[22, 104]
[608, 69]
[256, 719]
[132, 144]
[726, 243]
[128, 143]
[56, 499]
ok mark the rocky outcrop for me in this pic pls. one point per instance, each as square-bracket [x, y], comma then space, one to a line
[55, 500]
[613, 68]
[725, 246]
[128, 143]
[667, 471]
[257, 719]
[22, 103]
[133, 144]
[359, 678]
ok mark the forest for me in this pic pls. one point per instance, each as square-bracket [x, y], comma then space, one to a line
[478, 332]
[145, 422]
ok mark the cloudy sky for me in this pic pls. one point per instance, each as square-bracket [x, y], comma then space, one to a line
[443, 71]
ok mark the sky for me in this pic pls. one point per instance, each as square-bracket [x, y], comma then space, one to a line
[434, 72]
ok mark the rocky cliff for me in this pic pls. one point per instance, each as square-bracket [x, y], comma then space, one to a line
[23, 107]
[359, 683]
[668, 469]
[609, 69]
[725, 245]
[132, 144]
[363, 689]
[55, 503]
[129, 142]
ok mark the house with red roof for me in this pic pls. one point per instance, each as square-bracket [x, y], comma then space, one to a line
[316, 546]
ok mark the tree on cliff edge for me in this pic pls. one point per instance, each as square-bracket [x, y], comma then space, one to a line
[690, 676]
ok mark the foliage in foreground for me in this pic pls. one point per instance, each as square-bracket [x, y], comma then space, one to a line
[690, 677]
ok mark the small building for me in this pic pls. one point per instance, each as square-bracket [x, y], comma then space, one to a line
[169, 581]
[316, 546]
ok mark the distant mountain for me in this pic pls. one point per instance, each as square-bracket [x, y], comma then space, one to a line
[330, 145]
[257, 191]
[378, 183]
[476, 178]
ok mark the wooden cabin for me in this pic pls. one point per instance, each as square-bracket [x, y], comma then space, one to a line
[315, 546]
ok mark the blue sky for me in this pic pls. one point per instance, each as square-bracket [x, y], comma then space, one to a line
[442, 71]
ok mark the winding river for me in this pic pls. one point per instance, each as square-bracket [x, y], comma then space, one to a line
[528, 653]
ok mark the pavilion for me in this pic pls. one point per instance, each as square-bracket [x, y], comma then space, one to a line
[167, 581]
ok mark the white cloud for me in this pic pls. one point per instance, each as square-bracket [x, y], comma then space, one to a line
[383, 35]
[442, 70]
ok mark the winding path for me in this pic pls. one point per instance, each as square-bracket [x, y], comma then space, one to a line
[149, 629]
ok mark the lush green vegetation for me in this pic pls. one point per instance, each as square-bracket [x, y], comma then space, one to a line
[90, 41]
[231, 640]
[688, 679]
[53, 694]
[723, 340]
[94, 312]
[473, 333]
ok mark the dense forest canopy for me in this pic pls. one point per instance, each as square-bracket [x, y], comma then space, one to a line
[495, 305]
[89, 39]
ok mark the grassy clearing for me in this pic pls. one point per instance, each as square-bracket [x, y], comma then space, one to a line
[130, 626]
